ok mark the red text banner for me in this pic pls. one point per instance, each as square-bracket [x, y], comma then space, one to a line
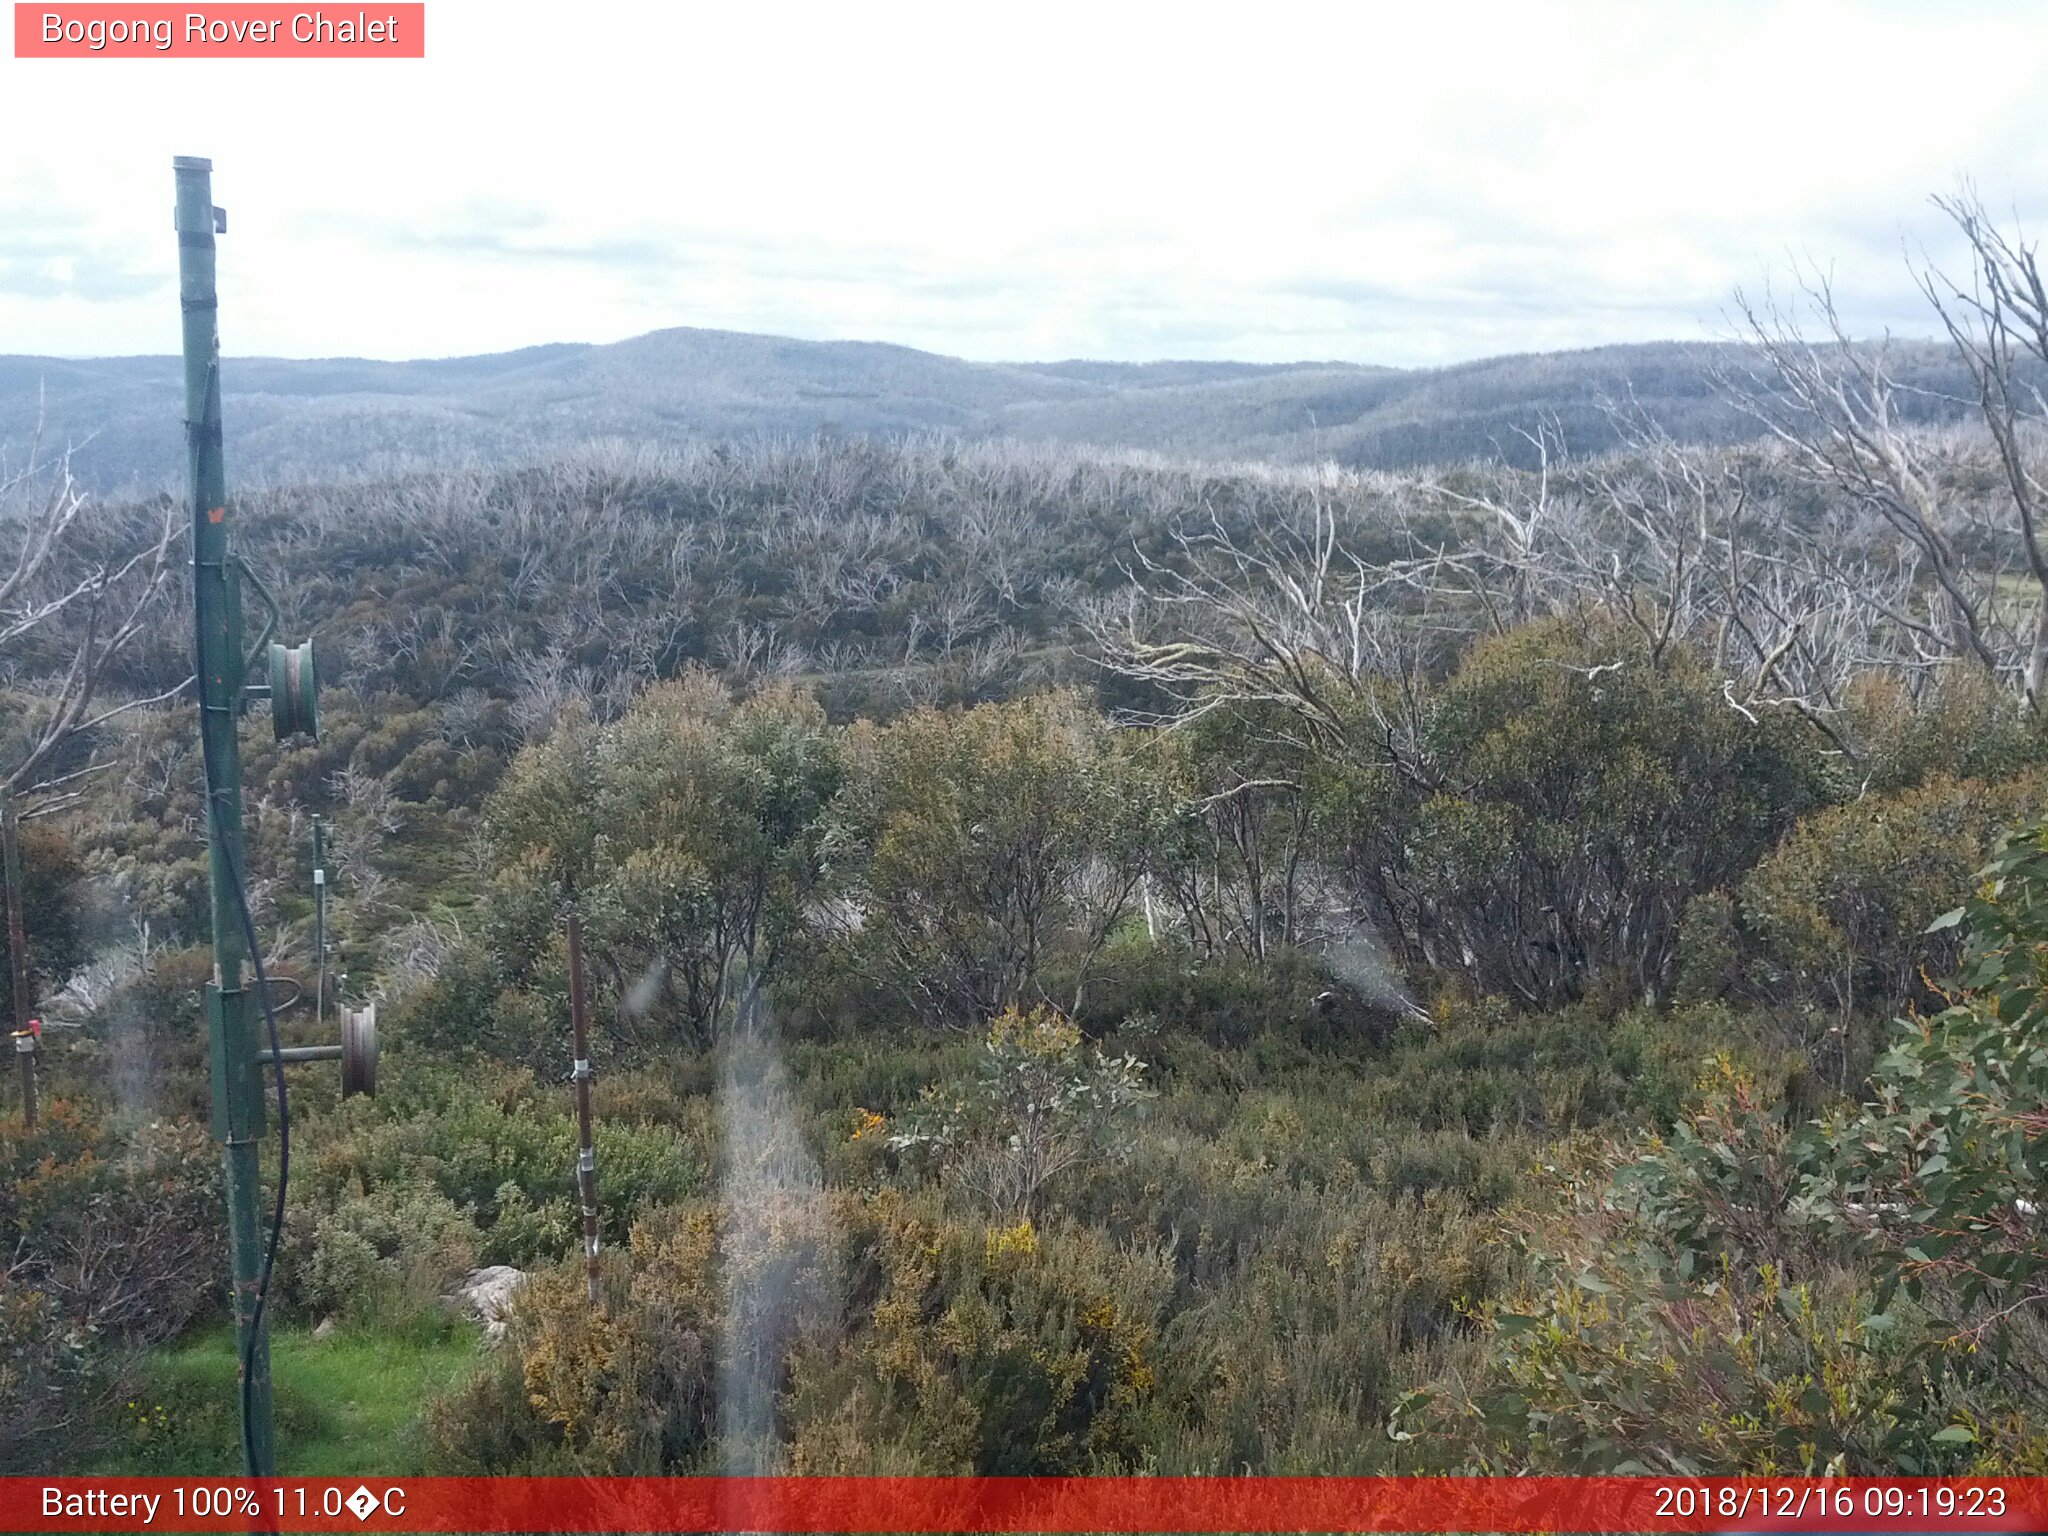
[1107, 1504]
[224, 31]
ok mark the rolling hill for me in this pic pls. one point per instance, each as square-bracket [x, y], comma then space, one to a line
[293, 419]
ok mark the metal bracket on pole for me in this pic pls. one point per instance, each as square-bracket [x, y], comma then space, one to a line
[272, 615]
[233, 1066]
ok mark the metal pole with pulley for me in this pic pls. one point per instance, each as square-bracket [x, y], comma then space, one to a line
[217, 621]
[236, 1058]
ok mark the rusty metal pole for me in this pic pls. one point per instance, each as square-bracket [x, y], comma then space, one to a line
[17, 956]
[319, 922]
[586, 1156]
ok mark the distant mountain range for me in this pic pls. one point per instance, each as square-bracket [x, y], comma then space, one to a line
[292, 419]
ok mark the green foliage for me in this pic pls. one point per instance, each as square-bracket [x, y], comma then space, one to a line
[474, 1138]
[50, 900]
[1236, 869]
[1965, 728]
[525, 1233]
[1005, 1352]
[456, 1012]
[52, 1383]
[112, 1224]
[146, 1041]
[1233, 1003]
[1838, 914]
[1613, 1369]
[1576, 793]
[1711, 951]
[992, 849]
[1942, 1172]
[1001, 1351]
[1685, 1313]
[948, 862]
[691, 834]
[1038, 1105]
[627, 1389]
[110, 1242]
[1287, 1240]
[1862, 1293]
[385, 1255]
[1299, 1230]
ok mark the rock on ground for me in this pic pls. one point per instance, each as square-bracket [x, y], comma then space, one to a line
[486, 1294]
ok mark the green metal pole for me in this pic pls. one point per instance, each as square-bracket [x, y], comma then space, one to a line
[217, 621]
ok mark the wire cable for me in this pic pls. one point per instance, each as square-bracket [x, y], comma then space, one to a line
[284, 1114]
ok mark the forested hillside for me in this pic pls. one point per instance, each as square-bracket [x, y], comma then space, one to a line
[316, 420]
[1101, 963]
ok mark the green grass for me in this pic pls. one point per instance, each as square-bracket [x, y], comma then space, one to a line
[347, 1404]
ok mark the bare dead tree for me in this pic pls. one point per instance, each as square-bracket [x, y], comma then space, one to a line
[960, 613]
[546, 683]
[94, 607]
[1835, 407]
[1527, 551]
[81, 609]
[1998, 324]
[1283, 614]
[1788, 616]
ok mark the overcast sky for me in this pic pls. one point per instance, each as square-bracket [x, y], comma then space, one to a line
[1376, 182]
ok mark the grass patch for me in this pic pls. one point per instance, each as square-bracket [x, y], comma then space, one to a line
[346, 1405]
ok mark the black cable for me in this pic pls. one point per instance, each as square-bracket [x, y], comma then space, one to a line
[284, 1114]
[284, 1159]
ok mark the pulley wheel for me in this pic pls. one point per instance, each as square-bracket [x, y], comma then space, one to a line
[294, 692]
[359, 1051]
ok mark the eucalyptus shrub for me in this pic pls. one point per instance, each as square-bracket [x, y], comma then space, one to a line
[990, 854]
[1831, 929]
[1944, 1174]
[1569, 793]
[1037, 1106]
[1864, 1293]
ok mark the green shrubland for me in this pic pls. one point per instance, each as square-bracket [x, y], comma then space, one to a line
[1552, 1052]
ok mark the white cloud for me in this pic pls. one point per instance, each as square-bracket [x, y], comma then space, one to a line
[1379, 183]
